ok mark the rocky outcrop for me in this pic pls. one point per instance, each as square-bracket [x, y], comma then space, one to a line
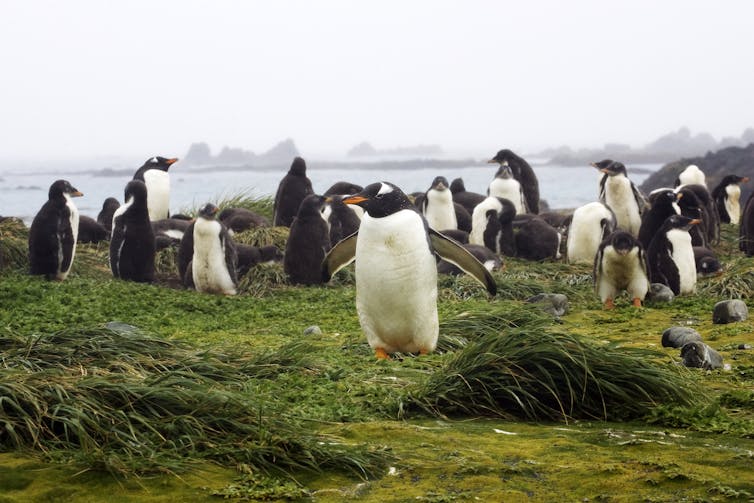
[199, 154]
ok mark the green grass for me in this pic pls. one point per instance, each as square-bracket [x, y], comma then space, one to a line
[513, 405]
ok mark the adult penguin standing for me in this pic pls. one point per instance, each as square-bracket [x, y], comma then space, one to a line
[308, 242]
[663, 203]
[670, 256]
[105, 216]
[396, 271]
[293, 188]
[154, 174]
[621, 195]
[525, 176]
[132, 245]
[53, 233]
[437, 206]
[727, 196]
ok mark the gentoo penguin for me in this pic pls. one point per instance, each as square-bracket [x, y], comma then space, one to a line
[621, 195]
[706, 262]
[467, 199]
[250, 256]
[343, 221]
[693, 208]
[213, 263]
[691, 175]
[53, 233]
[620, 265]
[536, 240]
[727, 196]
[525, 176]
[105, 216]
[505, 186]
[710, 219]
[343, 189]
[590, 225]
[293, 188]
[308, 242]
[132, 246]
[241, 219]
[487, 257]
[154, 174]
[670, 256]
[492, 226]
[437, 206]
[663, 203]
[90, 231]
[396, 271]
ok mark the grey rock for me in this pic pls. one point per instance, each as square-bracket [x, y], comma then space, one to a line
[313, 330]
[677, 337]
[660, 293]
[555, 304]
[728, 311]
[700, 355]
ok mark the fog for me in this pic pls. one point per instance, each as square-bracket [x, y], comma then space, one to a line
[86, 79]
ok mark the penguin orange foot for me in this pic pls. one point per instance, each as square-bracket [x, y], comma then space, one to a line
[609, 304]
[637, 302]
[381, 354]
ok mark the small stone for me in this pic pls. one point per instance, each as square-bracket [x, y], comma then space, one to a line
[677, 337]
[660, 293]
[313, 330]
[555, 304]
[728, 311]
[700, 355]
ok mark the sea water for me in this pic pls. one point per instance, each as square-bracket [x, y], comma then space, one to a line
[23, 192]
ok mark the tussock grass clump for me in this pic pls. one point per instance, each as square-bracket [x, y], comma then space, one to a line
[262, 279]
[263, 236]
[118, 399]
[166, 262]
[240, 198]
[535, 375]
[736, 282]
[14, 244]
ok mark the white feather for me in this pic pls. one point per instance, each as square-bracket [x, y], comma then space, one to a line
[732, 203]
[692, 175]
[440, 212]
[73, 220]
[510, 189]
[158, 193]
[683, 256]
[585, 232]
[619, 196]
[208, 266]
[616, 273]
[479, 219]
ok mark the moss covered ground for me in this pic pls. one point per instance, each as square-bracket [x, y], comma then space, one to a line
[335, 389]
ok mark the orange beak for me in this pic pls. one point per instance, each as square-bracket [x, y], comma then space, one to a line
[172, 161]
[354, 200]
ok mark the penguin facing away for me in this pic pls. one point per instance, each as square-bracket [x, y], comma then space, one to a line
[396, 271]
[691, 175]
[693, 208]
[492, 226]
[621, 195]
[727, 196]
[213, 263]
[525, 176]
[308, 242]
[438, 207]
[467, 199]
[154, 174]
[91, 231]
[132, 245]
[293, 188]
[670, 256]
[590, 225]
[54, 232]
[105, 216]
[620, 264]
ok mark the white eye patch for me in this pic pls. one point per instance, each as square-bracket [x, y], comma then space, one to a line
[385, 189]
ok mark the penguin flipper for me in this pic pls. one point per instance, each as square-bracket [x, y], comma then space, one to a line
[457, 255]
[339, 256]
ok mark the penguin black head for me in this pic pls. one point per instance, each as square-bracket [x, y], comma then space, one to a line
[679, 222]
[664, 197]
[61, 188]
[111, 204]
[502, 156]
[298, 167]
[161, 163]
[208, 211]
[439, 183]
[733, 179]
[615, 168]
[623, 242]
[381, 199]
[600, 165]
[708, 266]
[312, 205]
[457, 186]
[137, 190]
[688, 200]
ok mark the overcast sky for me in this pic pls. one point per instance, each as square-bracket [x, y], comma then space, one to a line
[138, 78]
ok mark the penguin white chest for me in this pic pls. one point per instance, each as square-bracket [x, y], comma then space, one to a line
[619, 196]
[440, 212]
[73, 221]
[683, 257]
[479, 219]
[158, 193]
[586, 232]
[732, 203]
[208, 267]
[396, 283]
[510, 189]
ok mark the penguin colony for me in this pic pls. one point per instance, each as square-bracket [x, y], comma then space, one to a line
[400, 242]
